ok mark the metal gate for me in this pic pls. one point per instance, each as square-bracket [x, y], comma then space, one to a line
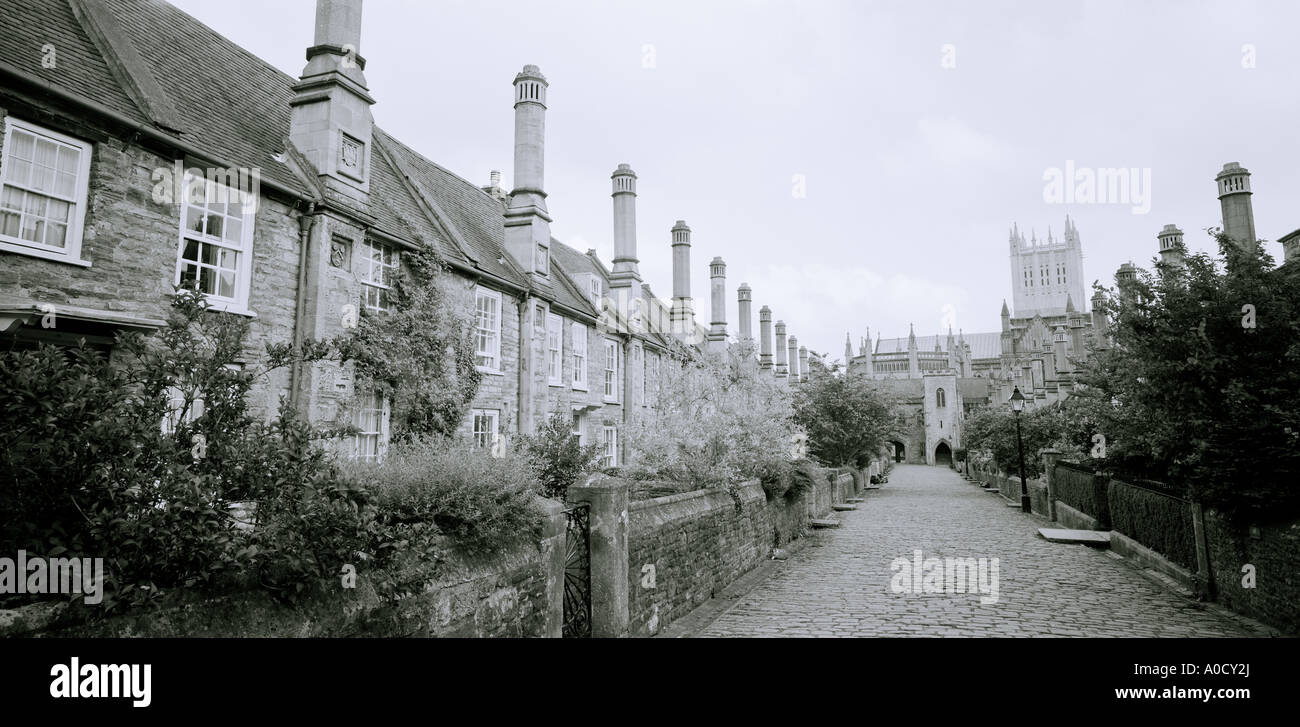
[577, 573]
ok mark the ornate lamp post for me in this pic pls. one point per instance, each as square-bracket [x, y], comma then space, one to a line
[1018, 405]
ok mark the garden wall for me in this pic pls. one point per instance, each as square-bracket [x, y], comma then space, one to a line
[698, 543]
[1273, 550]
[518, 593]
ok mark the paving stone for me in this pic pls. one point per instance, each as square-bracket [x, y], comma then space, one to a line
[843, 588]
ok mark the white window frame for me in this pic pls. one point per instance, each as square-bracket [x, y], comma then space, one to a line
[176, 401]
[237, 302]
[595, 290]
[610, 383]
[379, 434]
[478, 435]
[71, 250]
[579, 431]
[554, 350]
[493, 350]
[579, 347]
[377, 275]
[609, 440]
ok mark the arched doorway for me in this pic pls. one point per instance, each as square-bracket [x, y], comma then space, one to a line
[900, 451]
[943, 455]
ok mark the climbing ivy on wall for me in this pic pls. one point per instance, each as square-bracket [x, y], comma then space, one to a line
[419, 353]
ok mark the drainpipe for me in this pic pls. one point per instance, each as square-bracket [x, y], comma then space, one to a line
[628, 342]
[305, 225]
[523, 422]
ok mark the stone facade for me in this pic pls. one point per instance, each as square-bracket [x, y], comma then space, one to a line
[338, 203]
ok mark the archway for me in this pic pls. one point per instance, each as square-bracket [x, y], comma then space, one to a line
[900, 451]
[943, 455]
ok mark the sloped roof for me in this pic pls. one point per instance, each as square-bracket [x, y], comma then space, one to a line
[235, 107]
[78, 66]
[982, 345]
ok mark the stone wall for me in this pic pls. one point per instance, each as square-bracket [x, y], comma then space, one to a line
[516, 594]
[1273, 550]
[695, 544]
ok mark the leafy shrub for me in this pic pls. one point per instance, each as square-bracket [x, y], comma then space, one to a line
[419, 353]
[90, 470]
[558, 458]
[432, 487]
[714, 423]
[783, 478]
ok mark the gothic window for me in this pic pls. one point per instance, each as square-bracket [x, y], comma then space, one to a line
[940, 399]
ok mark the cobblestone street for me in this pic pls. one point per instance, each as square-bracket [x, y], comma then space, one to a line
[840, 585]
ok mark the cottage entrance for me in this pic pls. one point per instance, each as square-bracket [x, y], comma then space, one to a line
[943, 455]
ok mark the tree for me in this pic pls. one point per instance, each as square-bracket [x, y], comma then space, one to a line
[847, 419]
[715, 422]
[1204, 378]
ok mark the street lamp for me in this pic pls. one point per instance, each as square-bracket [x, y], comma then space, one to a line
[1018, 405]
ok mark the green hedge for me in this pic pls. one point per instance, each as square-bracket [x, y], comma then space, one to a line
[1083, 491]
[1161, 522]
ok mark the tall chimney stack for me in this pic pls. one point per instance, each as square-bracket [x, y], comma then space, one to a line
[682, 314]
[1171, 246]
[744, 298]
[528, 224]
[782, 370]
[1234, 199]
[329, 115]
[803, 363]
[765, 338]
[625, 272]
[718, 301]
[793, 348]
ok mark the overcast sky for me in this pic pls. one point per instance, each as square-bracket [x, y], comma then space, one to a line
[913, 172]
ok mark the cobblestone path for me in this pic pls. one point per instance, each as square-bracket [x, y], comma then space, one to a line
[841, 586]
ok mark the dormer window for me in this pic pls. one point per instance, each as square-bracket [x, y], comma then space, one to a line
[596, 291]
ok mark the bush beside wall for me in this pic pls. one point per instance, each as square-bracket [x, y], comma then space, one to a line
[507, 595]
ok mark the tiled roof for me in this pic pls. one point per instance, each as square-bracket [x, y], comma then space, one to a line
[229, 101]
[78, 66]
[982, 345]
